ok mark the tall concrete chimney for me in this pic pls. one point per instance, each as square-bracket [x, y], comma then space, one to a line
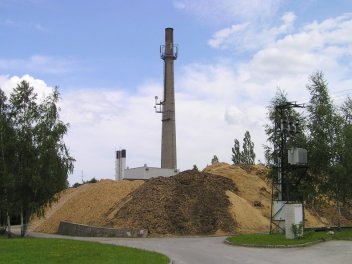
[168, 53]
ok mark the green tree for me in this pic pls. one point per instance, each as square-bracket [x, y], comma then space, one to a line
[42, 159]
[6, 163]
[280, 139]
[323, 133]
[24, 116]
[248, 155]
[340, 173]
[346, 161]
[3, 174]
[195, 168]
[326, 134]
[54, 160]
[272, 148]
[236, 153]
[346, 153]
[214, 160]
[346, 110]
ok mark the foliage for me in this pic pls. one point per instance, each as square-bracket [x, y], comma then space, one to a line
[33, 250]
[214, 160]
[297, 230]
[327, 136]
[329, 142]
[321, 137]
[247, 155]
[343, 181]
[271, 150]
[35, 159]
[93, 180]
[195, 168]
[76, 185]
[236, 153]
[346, 110]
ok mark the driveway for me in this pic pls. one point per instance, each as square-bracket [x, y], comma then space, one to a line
[212, 250]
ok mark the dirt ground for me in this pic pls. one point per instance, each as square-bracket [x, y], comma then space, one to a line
[222, 199]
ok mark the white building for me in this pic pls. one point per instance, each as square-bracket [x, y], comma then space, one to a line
[139, 173]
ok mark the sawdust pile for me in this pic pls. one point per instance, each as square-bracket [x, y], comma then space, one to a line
[222, 199]
[84, 204]
[328, 215]
[190, 203]
[250, 206]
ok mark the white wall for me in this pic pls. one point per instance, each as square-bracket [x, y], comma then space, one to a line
[148, 172]
[293, 216]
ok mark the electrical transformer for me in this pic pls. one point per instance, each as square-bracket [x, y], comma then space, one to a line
[297, 156]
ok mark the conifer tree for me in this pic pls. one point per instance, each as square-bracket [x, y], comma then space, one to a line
[214, 160]
[236, 153]
[248, 155]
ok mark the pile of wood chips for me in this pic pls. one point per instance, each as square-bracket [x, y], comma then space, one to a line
[190, 203]
[84, 205]
[222, 199]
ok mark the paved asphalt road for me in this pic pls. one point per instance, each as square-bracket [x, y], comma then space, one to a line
[212, 250]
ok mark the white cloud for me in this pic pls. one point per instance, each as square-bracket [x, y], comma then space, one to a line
[215, 11]
[222, 36]
[250, 36]
[7, 84]
[102, 121]
[46, 64]
[215, 103]
[317, 46]
[208, 81]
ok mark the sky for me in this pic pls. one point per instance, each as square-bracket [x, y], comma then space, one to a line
[233, 57]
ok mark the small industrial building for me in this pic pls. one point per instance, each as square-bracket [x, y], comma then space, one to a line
[139, 173]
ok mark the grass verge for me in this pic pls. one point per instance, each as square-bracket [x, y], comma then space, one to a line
[279, 240]
[34, 250]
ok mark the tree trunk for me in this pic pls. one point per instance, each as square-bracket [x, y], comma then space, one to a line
[22, 225]
[338, 214]
[9, 234]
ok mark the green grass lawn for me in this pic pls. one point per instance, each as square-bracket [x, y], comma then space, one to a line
[280, 240]
[35, 250]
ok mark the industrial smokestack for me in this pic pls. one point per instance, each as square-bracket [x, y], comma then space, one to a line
[120, 164]
[168, 53]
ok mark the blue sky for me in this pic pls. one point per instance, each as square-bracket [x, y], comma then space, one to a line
[233, 54]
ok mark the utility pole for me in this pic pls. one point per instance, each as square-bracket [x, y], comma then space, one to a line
[286, 127]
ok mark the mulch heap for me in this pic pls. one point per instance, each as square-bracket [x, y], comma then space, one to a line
[190, 203]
